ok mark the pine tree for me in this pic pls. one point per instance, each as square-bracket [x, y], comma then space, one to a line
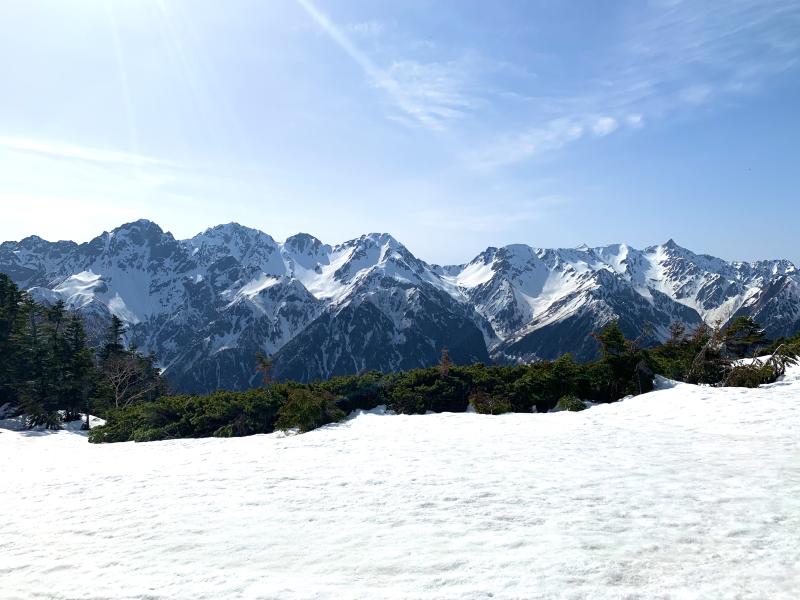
[743, 337]
[36, 385]
[114, 338]
[56, 358]
[612, 341]
[78, 368]
[11, 320]
[625, 360]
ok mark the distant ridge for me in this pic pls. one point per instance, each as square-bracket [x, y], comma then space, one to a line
[206, 305]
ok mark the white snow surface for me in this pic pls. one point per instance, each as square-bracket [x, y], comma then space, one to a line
[686, 492]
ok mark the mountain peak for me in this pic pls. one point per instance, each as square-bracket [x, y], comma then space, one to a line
[302, 242]
[372, 240]
[32, 240]
[138, 233]
[138, 225]
[383, 238]
[232, 228]
[227, 232]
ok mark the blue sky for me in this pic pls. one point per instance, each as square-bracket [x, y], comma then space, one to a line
[452, 124]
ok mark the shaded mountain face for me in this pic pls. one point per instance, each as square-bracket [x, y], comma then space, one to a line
[206, 305]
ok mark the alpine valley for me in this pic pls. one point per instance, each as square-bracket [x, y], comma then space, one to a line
[206, 305]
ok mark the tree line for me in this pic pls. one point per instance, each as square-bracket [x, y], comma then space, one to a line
[50, 374]
[48, 371]
[707, 355]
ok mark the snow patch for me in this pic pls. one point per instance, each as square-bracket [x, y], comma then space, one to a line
[118, 307]
[666, 494]
[258, 285]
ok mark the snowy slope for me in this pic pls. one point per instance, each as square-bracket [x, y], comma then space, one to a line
[686, 492]
[206, 305]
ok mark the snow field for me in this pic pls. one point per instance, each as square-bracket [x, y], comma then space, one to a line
[686, 492]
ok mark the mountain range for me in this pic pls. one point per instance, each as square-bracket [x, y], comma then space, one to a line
[206, 305]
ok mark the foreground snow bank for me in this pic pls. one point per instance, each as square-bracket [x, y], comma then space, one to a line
[17, 423]
[686, 492]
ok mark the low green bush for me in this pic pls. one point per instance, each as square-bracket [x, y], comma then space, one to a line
[750, 376]
[486, 404]
[305, 410]
[221, 414]
[42, 418]
[423, 390]
[357, 392]
[151, 435]
[571, 403]
[623, 369]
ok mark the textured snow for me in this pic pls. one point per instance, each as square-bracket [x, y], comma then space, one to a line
[118, 307]
[81, 283]
[78, 290]
[686, 492]
[475, 273]
[323, 283]
[259, 284]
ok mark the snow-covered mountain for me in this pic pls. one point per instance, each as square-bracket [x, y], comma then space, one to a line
[544, 302]
[206, 305]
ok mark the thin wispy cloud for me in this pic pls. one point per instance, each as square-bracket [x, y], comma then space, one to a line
[365, 28]
[429, 94]
[682, 55]
[506, 216]
[64, 151]
[604, 126]
[635, 121]
[672, 56]
[533, 142]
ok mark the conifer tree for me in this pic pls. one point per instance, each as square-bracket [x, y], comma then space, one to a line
[11, 318]
[114, 344]
[36, 386]
[56, 358]
[743, 337]
[612, 341]
[78, 369]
